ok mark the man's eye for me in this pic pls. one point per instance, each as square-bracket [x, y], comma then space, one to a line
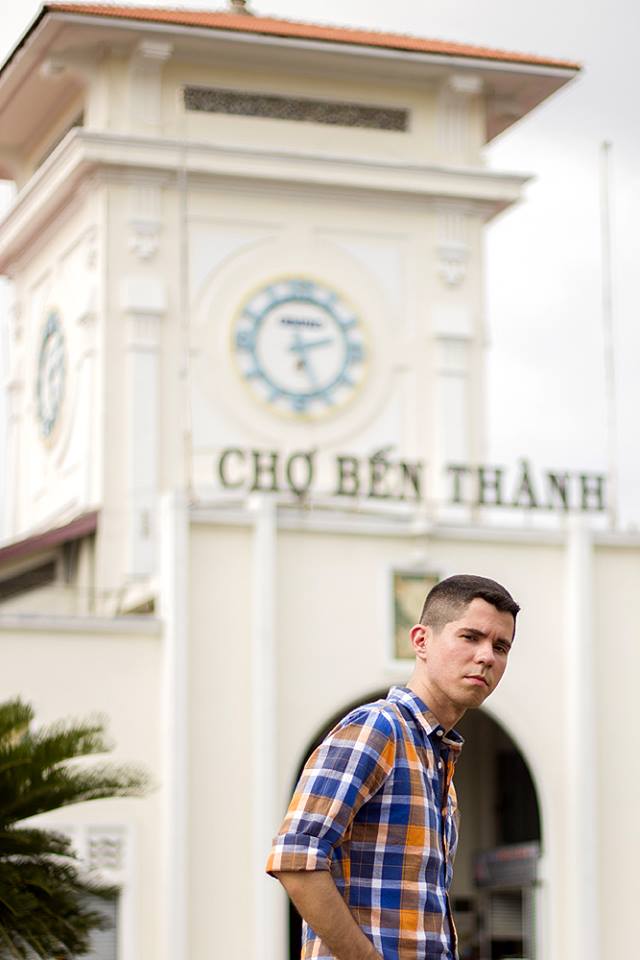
[502, 648]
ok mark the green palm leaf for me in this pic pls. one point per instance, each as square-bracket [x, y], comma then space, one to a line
[46, 902]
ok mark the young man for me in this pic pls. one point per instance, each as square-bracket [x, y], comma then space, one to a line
[366, 848]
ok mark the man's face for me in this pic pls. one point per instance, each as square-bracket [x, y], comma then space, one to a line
[465, 660]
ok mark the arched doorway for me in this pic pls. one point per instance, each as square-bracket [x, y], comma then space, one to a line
[493, 892]
[494, 883]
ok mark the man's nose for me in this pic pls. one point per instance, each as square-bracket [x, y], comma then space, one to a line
[485, 653]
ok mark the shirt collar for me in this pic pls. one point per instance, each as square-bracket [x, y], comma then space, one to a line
[424, 717]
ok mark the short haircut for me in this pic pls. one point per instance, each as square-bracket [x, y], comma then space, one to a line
[451, 597]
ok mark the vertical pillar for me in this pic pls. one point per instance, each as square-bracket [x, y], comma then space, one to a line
[460, 134]
[268, 917]
[145, 85]
[86, 319]
[143, 301]
[174, 610]
[581, 901]
[452, 330]
[145, 298]
[10, 484]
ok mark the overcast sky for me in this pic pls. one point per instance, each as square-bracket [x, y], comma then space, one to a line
[545, 355]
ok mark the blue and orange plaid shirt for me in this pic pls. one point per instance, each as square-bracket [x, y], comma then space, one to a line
[376, 806]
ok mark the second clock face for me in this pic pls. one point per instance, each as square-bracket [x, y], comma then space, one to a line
[51, 375]
[300, 347]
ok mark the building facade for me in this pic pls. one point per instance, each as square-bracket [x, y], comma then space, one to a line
[246, 433]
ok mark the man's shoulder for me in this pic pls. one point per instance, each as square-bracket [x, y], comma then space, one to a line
[382, 715]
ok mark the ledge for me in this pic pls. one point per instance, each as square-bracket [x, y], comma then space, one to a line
[83, 153]
[47, 623]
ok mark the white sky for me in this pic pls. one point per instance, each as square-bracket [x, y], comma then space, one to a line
[545, 354]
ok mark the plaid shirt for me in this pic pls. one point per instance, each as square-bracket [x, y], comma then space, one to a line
[376, 806]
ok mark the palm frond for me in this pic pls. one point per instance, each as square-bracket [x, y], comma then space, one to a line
[46, 903]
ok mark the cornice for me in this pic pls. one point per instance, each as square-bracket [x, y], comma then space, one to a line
[84, 152]
[401, 521]
[50, 625]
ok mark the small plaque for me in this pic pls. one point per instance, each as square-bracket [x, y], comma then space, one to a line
[409, 591]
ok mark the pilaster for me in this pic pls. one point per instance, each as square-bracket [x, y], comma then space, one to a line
[174, 610]
[143, 302]
[267, 913]
[145, 85]
[453, 335]
[14, 407]
[582, 904]
[459, 141]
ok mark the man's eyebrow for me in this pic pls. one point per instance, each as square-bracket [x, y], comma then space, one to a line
[481, 633]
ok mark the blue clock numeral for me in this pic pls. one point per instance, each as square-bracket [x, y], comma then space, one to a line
[245, 340]
[355, 353]
[301, 288]
[300, 403]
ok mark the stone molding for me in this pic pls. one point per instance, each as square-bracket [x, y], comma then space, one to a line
[57, 182]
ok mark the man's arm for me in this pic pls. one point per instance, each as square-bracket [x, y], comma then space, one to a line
[317, 899]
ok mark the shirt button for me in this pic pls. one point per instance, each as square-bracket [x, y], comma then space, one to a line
[439, 764]
[439, 733]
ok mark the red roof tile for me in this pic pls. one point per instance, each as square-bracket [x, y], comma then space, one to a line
[304, 31]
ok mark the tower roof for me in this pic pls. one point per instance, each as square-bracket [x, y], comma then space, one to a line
[513, 84]
[295, 30]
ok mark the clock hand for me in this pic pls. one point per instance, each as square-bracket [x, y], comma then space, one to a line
[299, 346]
[309, 370]
[310, 344]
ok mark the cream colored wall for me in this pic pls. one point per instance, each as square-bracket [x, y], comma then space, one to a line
[220, 798]
[333, 620]
[333, 604]
[383, 256]
[416, 145]
[79, 675]
[53, 475]
[616, 576]
[446, 129]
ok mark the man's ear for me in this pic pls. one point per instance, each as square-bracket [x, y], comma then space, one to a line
[419, 635]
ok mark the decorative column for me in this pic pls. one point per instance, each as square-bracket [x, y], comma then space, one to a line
[460, 137]
[267, 914]
[452, 331]
[581, 902]
[86, 320]
[145, 85]
[14, 400]
[143, 300]
[174, 610]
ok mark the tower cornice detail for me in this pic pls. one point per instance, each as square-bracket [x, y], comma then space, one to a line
[84, 153]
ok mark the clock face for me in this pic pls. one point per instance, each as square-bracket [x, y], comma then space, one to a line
[51, 373]
[300, 347]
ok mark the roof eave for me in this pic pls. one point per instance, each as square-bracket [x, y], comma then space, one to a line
[80, 527]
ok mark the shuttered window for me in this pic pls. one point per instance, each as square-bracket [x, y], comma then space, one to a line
[104, 943]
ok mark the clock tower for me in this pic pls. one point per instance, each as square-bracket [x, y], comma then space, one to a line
[247, 336]
[223, 242]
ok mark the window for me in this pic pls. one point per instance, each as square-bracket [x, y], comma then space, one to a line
[104, 943]
[334, 113]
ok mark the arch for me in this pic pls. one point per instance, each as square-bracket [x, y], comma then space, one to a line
[500, 807]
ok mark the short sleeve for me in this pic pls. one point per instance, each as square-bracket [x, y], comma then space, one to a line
[348, 768]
